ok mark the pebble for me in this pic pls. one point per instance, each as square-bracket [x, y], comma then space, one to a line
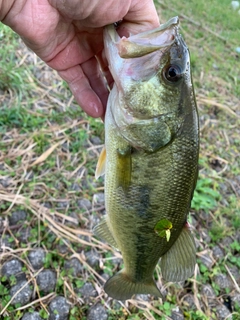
[177, 314]
[31, 316]
[24, 295]
[73, 266]
[97, 312]
[11, 267]
[99, 198]
[59, 309]
[46, 281]
[23, 235]
[84, 204]
[17, 216]
[217, 253]
[206, 259]
[223, 281]
[36, 258]
[188, 300]
[208, 291]
[87, 292]
[226, 242]
[96, 140]
[223, 313]
[92, 258]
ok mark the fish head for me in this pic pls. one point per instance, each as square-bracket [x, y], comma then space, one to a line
[153, 90]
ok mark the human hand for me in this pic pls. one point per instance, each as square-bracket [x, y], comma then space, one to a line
[68, 36]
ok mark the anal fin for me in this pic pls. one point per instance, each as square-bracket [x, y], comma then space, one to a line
[178, 263]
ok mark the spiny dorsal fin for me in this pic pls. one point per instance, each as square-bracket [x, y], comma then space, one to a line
[100, 169]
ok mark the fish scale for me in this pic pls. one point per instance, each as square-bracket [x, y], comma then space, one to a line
[151, 162]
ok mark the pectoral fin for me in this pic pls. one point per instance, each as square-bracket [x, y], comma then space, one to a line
[102, 231]
[178, 263]
[100, 169]
[124, 167]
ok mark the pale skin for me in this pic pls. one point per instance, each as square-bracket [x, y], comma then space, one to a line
[68, 36]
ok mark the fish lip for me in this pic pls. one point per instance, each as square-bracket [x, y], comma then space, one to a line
[147, 42]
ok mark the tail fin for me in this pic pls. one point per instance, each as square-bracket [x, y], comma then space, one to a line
[121, 287]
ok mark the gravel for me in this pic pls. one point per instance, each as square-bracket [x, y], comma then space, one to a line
[87, 292]
[16, 217]
[31, 316]
[46, 281]
[59, 309]
[24, 295]
[97, 312]
[84, 204]
[11, 267]
[223, 281]
[92, 258]
[36, 258]
[223, 313]
[73, 266]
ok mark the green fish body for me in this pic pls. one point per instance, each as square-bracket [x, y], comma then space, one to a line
[151, 165]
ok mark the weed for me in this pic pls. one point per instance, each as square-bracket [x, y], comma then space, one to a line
[205, 195]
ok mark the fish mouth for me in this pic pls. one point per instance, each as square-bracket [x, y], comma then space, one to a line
[147, 42]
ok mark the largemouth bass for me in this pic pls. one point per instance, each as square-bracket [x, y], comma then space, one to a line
[150, 160]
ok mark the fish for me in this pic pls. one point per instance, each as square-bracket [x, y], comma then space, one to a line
[150, 159]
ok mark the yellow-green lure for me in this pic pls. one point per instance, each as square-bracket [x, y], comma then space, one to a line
[163, 228]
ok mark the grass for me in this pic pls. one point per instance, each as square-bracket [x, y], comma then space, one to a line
[48, 159]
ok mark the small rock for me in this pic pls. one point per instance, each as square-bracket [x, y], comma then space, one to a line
[11, 267]
[7, 241]
[235, 273]
[188, 300]
[223, 313]
[62, 247]
[223, 281]
[208, 291]
[92, 258]
[5, 182]
[23, 235]
[31, 316]
[73, 266]
[177, 314]
[85, 204]
[36, 258]
[24, 295]
[96, 140]
[87, 291]
[46, 280]
[97, 312]
[16, 217]
[99, 198]
[217, 253]
[59, 309]
[226, 242]
[75, 222]
[206, 259]
[205, 236]
[236, 299]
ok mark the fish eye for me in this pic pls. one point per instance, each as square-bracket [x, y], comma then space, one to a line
[172, 73]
